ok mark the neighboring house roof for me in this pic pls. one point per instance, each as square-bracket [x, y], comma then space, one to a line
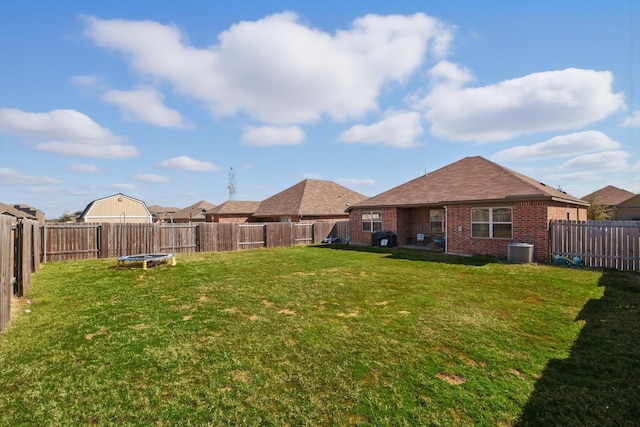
[609, 196]
[472, 179]
[195, 211]
[631, 202]
[12, 211]
[311, 197]
[31, 212]
[628, 210]
[168, 209]
[231, 207]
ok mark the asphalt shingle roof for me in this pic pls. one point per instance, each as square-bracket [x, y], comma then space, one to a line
[234, 207]
[471, 179]
[196, 210]
[609, 196]
[311, 197]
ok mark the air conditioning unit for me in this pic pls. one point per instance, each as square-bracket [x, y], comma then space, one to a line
[520, 253]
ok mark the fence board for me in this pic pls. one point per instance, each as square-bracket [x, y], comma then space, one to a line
[19, 258]
[251, 236]
[7, 277]
[303, 233]
[65, 242]
[279, 234]
[604, 244]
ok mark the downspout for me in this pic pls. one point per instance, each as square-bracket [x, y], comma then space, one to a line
[446, 230]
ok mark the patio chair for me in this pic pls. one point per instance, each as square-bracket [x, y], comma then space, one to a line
[420, 239]
[439, 241]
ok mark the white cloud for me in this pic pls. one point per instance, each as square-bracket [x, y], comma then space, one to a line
[150, 178]
[267, 136]
[632, 120]
[188, 164]
[396, 130]
[277, 69]
[599, 162]
[356, 181]
[446, 73]
[592, 166]
[559, 146]
[90, 81]
[12, 177]
[537, 102]
[73, 149]
[68, 132]
[65, 125]
[84, 168]
[145, 105]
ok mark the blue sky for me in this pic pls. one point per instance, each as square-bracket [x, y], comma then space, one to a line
[159, 99]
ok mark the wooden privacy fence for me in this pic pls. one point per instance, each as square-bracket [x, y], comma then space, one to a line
[608, 244]
[19, 257]
[86, 241]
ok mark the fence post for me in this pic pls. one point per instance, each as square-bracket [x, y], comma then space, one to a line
[17, 259]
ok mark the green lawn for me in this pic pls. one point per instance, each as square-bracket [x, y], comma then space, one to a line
[323, 336]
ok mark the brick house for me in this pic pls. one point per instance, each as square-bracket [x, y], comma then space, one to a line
[308, 201]
[232, 211]
[477, 206]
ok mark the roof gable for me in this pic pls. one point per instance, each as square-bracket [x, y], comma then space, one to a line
[311, 197]
[471, 179]
[198, 209]
[609, 195]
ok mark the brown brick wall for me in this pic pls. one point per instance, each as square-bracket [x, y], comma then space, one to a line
[530, 225]
[233, 219]
[389, 223]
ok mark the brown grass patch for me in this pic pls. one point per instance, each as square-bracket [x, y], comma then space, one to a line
[241, 376]
[517, 373]
[100, 332]
[140, 326]
[286, 311]
[267, 303]
[405, 312]
[450, 378]
[351, 314]
[188, 317]
[254, 317]
[381, 303]
[468, 360]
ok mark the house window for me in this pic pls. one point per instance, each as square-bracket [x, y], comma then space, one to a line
[371, 221]
[436, 220]
[494, 223]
